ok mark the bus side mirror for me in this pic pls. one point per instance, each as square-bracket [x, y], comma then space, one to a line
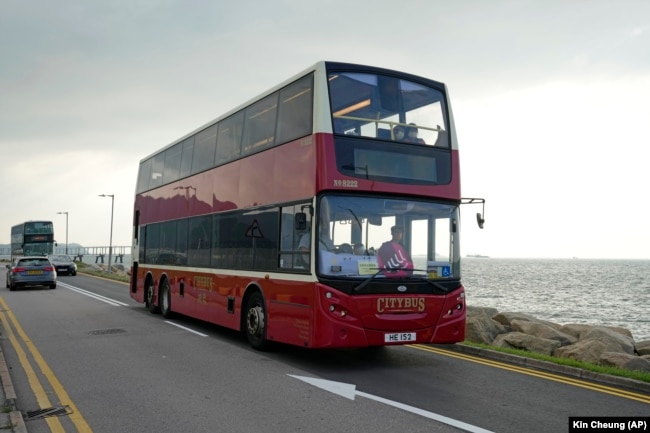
[480, 219]
[300, 221]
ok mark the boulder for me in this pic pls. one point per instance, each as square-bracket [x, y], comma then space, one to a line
[613, 337]
[594, 344]
[583, 350]
[506, 319]
[519, 340]
[575, 329]
[480, 328]
[542, 330]
[624, 360]
[643, 347]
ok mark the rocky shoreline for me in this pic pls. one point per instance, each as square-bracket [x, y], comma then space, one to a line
[600, 345]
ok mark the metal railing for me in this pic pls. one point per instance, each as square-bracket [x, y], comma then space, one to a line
[78, 253]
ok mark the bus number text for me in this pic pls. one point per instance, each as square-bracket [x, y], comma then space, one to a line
[346, 183]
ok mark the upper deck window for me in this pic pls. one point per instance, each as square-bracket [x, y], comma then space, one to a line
[229, 139]
[259, 124]
[280, 117]
[38, 227]
[389, 108]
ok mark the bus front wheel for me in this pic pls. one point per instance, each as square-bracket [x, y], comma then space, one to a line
[150, 300]
[255, 321]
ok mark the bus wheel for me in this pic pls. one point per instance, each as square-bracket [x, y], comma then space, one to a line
[255, 316]
[149, 297]
[165, 300]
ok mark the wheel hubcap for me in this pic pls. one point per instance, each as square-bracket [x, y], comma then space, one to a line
[150, 294]
[256, 321]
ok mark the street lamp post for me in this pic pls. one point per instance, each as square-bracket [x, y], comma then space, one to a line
[66, 230]
[110, 244]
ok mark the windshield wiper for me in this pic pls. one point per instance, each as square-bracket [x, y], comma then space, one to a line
[353, 214]
[438, 286]
[365, 282]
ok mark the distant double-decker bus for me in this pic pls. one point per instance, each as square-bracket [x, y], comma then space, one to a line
[32, 238]
[323, 213]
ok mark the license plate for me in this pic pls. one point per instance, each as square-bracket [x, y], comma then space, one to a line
[399, 337]
[34, 272]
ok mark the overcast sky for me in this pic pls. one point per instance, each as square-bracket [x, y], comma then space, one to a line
[550, 100]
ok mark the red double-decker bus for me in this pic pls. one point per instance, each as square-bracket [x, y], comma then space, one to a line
[323, 213]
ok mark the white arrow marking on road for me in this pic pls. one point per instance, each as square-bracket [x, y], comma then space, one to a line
[349, 391]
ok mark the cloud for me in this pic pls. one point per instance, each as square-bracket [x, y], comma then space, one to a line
[549, 99]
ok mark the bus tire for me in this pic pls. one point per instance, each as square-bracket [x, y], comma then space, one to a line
[150, 301]
[165, 299]
[255, 321]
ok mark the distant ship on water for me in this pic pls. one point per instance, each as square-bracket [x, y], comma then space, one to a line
[478, 256]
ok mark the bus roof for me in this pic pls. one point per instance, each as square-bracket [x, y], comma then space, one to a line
[320, 66]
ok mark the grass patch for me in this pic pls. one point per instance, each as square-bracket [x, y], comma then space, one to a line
[612, 371]
[83, 268]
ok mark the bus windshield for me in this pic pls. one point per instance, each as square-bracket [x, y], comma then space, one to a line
[37, 249]
[362, 236]
[389, 108]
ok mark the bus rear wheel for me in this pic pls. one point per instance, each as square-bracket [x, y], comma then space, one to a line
[255, 322]
[165, 300]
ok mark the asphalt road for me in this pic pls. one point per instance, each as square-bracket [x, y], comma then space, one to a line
[103, 363]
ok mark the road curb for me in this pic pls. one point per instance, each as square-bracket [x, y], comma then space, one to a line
[604, 379]
[15, 417]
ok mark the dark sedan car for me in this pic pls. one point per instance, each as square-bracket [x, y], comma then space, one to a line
[63, 264]
[31, 271]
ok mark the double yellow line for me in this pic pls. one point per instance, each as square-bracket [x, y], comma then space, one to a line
[22, 340]
[537, 373]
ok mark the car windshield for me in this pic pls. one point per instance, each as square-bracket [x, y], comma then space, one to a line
[60, 258]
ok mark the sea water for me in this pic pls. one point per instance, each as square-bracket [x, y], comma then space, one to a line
[595, 292]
